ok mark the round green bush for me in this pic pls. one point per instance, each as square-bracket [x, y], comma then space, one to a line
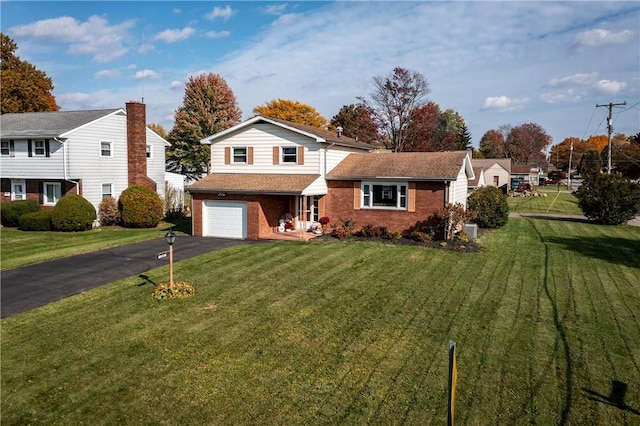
[10, 211]
[36, 221]
[73, 213]
[490, 206]
[140, 207]
[609, 199]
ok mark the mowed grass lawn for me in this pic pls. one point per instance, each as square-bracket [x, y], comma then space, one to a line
[546, 320]
[553, 202]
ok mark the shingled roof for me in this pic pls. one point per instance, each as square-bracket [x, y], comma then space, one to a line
[253, 183]
[321, 135]
[47, 124]
[406, 165]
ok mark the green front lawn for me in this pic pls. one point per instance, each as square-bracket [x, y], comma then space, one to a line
[20, 248]
[553, 202]
[545, 319]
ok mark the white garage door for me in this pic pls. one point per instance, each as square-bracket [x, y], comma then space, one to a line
[224, 219]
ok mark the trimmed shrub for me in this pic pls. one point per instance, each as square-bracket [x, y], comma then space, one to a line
[140, 207]
[108, 212]
[36, 221]
[73, 213]
[10, 211]
[609, 199]
[491, 207]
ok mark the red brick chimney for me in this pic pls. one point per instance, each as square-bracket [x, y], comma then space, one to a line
[137, 145]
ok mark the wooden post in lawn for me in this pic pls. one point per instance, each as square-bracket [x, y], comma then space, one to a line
[453, 378]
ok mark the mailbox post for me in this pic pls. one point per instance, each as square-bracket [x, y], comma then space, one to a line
[171, 238]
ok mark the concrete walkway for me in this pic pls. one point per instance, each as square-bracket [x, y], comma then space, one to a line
[29, 287]
[577, 217]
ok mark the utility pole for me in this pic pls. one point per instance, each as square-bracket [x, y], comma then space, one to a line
[610, 129]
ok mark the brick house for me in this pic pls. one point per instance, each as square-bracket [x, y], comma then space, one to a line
[93, 153]
[264, 168]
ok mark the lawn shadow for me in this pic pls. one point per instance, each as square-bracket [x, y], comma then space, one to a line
[615, 397]
[146, 281]
[616, 250]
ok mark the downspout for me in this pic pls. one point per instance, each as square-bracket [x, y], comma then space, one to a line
[64, 165]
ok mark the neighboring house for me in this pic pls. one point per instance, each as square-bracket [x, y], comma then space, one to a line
[95, 153]
[264, 168]
[497, 171]
[525, 173]
[478, 181]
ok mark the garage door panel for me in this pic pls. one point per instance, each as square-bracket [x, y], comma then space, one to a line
[224, 219]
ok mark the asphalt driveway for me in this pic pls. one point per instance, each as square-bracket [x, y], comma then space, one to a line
[29, 287]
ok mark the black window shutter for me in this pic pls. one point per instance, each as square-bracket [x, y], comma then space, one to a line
[29, 148]
[12, 149]
[46, 148]
[41, 190]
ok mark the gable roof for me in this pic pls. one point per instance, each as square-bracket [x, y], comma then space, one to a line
[438, 166]
[522, 169]
[319, 135]
[51, 124]
[253, 183]
[486, 163]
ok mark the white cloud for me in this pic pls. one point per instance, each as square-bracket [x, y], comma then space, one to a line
[147, 74]
[172, 36]
[74, 100]
[176, 84]
[600, 37]
[93, 37]
[274, 9]
[581, 79]
[220, 12]
[609, 87]
[176, 11]
[556, 98]
[504, 103]
[285, 19]
[108, 74]
[217, 34]
[146, 48]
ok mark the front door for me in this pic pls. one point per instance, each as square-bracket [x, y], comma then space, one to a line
[18, 190]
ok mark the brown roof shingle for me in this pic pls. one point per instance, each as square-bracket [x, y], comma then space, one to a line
[408, 165]
[253, 183]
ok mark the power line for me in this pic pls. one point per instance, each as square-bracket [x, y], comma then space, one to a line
[610, 105]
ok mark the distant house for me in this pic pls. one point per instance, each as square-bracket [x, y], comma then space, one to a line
[525, 173]
[497, 171]
[263, 168]
[93, 153]
[478, 181]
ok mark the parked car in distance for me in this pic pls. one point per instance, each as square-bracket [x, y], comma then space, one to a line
[553, 182]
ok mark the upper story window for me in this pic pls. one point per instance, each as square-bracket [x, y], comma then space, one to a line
[290, 155]
[106, 149]
[7, 148]
[384, 195]
[240, 155]
[149, 151]
[39, 148]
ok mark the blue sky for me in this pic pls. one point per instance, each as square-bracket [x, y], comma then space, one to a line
[495, 63]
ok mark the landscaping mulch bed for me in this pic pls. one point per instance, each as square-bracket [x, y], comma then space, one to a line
[455, 245]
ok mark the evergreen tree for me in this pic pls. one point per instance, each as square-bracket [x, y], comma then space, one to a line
[463, 141]
[209, 106]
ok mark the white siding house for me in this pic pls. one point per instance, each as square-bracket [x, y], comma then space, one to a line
[81, 152]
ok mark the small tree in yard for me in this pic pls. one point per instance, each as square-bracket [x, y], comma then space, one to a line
[490, 206]
[609, 199]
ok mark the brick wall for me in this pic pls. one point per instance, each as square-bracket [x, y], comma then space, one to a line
[137, 145]
[339, 206]
[34, 189]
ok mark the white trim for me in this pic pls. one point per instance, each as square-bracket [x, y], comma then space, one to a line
[110, 143]
[66, 134]
[258, 118]
[34, 148]
[102, 185]
[45, 200]
[233, 155]
[24, 189]
[399, 194]
[149, 151]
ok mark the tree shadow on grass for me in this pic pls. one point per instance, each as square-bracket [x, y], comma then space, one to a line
[146, 281]
[616, 250]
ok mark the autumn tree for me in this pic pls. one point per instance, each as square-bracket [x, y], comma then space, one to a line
[209, 106]
[492, 144]
[158, 129]
[527, 143]
[24, 87]
[431, 129]
[294, 111]
[626, 159]
[598, 142]
[357, 121]
[590, 163]
[395, 96]
[561, 153]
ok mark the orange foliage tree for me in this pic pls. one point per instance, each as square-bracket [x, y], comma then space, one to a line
[293, 111]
